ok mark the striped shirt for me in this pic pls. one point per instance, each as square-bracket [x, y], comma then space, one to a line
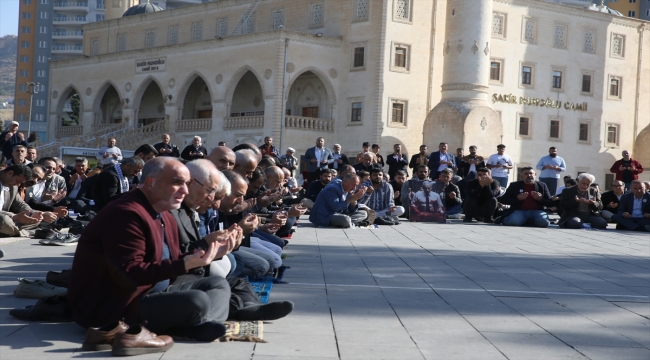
[382, 198]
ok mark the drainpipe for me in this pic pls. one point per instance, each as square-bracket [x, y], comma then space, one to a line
[284, 86]
[641, 29]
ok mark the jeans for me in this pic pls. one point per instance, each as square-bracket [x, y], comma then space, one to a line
[551, 183]
[576, 222]
[187, 304]
[503, 181]
[272, 249]
[455, 209]
[634, 224]
[273, 239]
[252, 263]
[537, 218]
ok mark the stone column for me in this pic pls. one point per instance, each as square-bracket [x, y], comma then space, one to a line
[87, 121]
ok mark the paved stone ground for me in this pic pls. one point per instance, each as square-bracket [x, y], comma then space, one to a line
[414, 291]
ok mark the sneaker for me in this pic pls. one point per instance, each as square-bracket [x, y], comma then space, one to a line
[53, 308]
[37, 289]
[60, 239]
[44, 233]
[455, 216]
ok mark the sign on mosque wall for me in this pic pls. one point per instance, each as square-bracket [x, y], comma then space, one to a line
[540, 102]
[150, 65]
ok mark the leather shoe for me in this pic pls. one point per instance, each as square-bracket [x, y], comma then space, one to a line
[138, 340]
[56, 278]
[383, 221]
[101, 338]
[54, 308]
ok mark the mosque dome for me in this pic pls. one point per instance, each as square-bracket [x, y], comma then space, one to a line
[604, 9]
[142, 9]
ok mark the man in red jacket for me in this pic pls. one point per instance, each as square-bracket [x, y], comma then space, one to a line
[129, 256]
[627, 169]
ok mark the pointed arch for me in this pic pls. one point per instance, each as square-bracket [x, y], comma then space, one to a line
[331, 96]
[641, 149]
[102, 91]
[182, 91]
[234, 81]
[137, 97]
[194, 98]
[65, 95]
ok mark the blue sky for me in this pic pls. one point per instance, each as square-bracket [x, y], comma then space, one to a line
[9, 17]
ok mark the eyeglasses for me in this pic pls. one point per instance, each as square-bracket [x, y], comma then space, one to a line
[212, 191]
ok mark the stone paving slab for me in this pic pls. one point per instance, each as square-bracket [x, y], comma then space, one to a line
[413, 291]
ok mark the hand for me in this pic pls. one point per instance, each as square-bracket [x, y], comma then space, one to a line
[324, 162]
[392, 208]
[49, 217]
[537, 196]
[443, 162]
[61, 211]
[268, 197]
[24, 218]
[612, 205]
[578, 199]
[522, 196]
[295, 189]
[74, 178]
[21, 136]
[622, 168]
[627, 215]
[270, 228]
[370, 190]
[279, 217]
[396, 195]
[498, 165]
[297, 210]
[339, 161]
[249, 223]
[59, 195]
[313, 161]
[203, 258]
[646, 215]
[105, 155]
[114, 156]
[357, 194]
[554, 198]
[223, 235]
[8, 136]
[418, 160]
[452, 195]
[632, 168]
[200, 153]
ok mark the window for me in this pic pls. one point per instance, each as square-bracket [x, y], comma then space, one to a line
[22, 102]
[42, 58]
[24, 44]
[554, 129]
[632, 1]
[583, 132]
[316, 15]
[94, 47]
[249, 25]
[529, 31]
[43, 15]
[526, 75]
[26, 29]
[402, 10]
[39, 117]
[150, 39]
[40, 73]
[27, 15]
[278, 19]
[40, 102]
[557, 81]
[42, 29]
[24, 58]
[27, 2]
[172, 37]
[222, 28]
[362, 10]
[22, 87]
[400, 57]
[197, 32]
[560, 36]
[44, 2]
[99, 17]
[498, 25]
[618, 46]
[121, 43]
[615, 84]
[589, 45]
[524, 127]
[397, 112]
[24, 73]
[631, 13]
[359, 57]
[612, 134]
[586, 83]
[496, 71]
[42, 44]
[21, 117]
[42, 88]
[356, 114]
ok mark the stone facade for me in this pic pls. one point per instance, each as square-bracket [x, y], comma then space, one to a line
[391, 71]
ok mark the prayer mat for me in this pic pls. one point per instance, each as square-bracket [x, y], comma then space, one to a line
[262, 288]
[246, 331]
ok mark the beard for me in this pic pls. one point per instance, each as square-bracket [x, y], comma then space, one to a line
[552, 155]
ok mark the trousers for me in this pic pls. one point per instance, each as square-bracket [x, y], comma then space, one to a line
[537, 218]
[346, 221]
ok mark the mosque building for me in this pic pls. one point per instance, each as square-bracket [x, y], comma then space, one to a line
[526, 73]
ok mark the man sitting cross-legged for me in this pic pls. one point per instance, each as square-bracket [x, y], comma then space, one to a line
[581, 204]
[634, 211]
[315, 187]
[527, 199]
[337, 206]
[15, 215]
[453, 199]
[382, 201]
[481, 197]
[611, 200]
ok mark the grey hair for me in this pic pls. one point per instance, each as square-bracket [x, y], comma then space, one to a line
[131, 161]
[350, 176]
[588, 176]
[81, 159]
[245, 156]
[201, 169]
[224, 184]
[198, 137]
[154, 166]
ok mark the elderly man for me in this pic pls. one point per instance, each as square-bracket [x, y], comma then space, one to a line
[339, 158]
[195, 150]
[288, 161]
[336, 205]
[19, 156]
[397, 161]
[481, 200]
[627, 169]
[112, 182]
[581, 205]
[367, 164]
[611, 200]
[318, 158]
[166, 148]
[268, 149]
[382, 201]
[223, 158]
[551, 166]
[425, 203]
[440, 160]
[34, 193]
[634, 211]
[245, 163]
[16, 217]
[11, 138]
[527, 199]
[109, 154]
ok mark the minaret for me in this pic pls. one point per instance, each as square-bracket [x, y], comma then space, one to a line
[464, 116]
[116, 8]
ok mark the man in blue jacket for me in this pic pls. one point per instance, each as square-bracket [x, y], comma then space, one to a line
[440, 160]
[634, 209]
[337, 206]
[319, 158]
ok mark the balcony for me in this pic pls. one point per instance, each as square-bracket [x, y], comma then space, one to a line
[191, 125]
[69, 20]
[67, 131]
[68, 35]
[308, 123]
[74, 49]
[243, 122]
[100, 7]
[72, 6]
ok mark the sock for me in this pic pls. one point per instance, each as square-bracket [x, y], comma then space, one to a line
[207, 331]
[270, 311]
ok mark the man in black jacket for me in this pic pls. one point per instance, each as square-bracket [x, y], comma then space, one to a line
[315, 187]
[527, 199]
[11, 138]
[366, 164]
[114, 181]
[166, 148]
[397, 161]
[611, 200]
[340, 159]
[481, 198]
